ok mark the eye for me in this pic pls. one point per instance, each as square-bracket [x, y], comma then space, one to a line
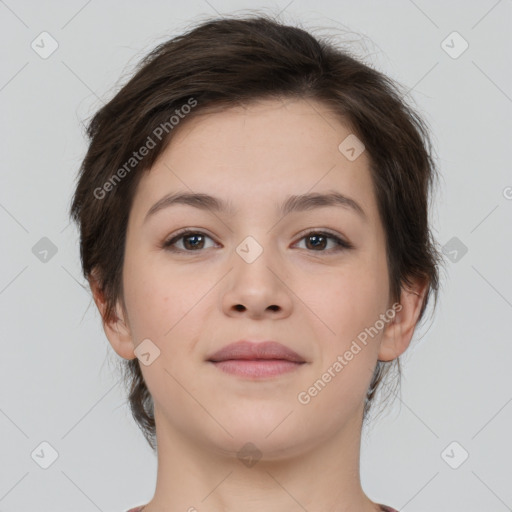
[317, 240]
[193, 241]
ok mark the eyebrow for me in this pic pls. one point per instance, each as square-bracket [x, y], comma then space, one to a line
[294, 203]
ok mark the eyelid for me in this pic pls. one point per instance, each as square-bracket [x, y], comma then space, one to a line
[324, 231]
[181, 233]
[341, 241]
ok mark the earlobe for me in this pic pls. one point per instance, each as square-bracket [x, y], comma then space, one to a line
[116, 328]
[398, 333]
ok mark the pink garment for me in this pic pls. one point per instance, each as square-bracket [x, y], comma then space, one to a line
[384, 508]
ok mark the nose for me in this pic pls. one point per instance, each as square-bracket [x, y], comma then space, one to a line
[257, 288]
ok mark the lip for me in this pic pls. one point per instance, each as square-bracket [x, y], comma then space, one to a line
[256, 360]
[262, 350]
[257, 368]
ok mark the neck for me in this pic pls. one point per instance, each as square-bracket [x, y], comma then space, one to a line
[193, 476]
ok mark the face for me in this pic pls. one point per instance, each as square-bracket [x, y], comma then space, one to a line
[313, 279]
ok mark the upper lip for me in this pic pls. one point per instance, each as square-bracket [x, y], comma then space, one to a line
[248, 350]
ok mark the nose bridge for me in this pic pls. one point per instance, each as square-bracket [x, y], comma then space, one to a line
[253, 257]
[255, 283]
[256, 242]
[250, 249]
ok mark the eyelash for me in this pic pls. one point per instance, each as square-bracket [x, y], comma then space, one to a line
[167, 245]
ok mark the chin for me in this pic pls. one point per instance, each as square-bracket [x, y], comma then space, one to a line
[250, 449]
[272, 437]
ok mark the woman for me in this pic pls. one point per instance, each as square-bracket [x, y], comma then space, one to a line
[254, 228]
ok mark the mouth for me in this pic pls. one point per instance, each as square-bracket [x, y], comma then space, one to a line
[257, 368]
[256, 359]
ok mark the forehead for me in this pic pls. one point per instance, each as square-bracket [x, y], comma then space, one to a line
[257, 155]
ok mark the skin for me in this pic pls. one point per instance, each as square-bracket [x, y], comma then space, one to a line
[314, 300]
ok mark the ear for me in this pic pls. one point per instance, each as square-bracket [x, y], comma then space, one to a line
[117, 329]
[398, 332]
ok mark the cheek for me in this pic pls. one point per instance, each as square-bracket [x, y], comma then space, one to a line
[349, 303]
[155, 309]
[165, 306]
[148, 297]
[348, 297]
[350, 306]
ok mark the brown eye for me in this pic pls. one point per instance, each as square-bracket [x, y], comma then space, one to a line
[192, 241]
[318, 241]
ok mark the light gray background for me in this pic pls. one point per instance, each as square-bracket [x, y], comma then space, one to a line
[57, 378]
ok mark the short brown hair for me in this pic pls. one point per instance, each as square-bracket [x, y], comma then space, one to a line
[226, 62]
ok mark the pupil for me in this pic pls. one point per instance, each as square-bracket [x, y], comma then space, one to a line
[317, 240]
[191, 237]
[315, 237]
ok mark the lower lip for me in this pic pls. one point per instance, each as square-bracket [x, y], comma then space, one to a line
[257, 368]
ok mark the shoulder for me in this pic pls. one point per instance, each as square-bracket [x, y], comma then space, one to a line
[384, 508]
